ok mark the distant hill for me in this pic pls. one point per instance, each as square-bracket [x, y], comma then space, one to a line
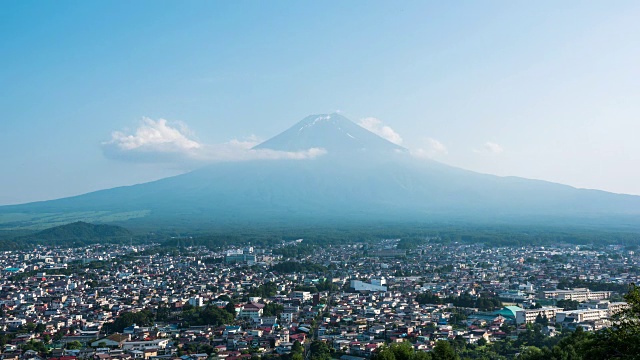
[361, 179]
[82, 231]
[78, 233]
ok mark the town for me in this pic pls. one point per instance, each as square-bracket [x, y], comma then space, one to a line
[298, 300]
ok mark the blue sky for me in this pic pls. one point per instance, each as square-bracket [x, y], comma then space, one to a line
[546, 89]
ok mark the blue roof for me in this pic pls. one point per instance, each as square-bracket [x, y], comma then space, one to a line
[509, 311]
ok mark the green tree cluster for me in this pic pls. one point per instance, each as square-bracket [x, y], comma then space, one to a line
[265, 290]
[272, 309]
[319, 350]
[405, 351]
[568, 304]
[35, 345]
[327, 285]
[207, 315]
[126, 319]
[622, 340]
[288, 267]
[483, 302]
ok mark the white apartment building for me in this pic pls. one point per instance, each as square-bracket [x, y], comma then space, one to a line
[142, 345]
[303, 295]
[612, 308]
[530, 315]
[375, 285]
[196, 301]
[580, 295]
[584, 315]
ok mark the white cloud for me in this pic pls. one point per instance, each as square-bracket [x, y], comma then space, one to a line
[377, 127]
[491, 147]
[238, 150]
[156, 136]
[433, 149]
[246, 143]
[163, 142]
[436, 146]
[154, 141]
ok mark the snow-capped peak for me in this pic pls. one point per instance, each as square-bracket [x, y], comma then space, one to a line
[315, 121]
[332, 132]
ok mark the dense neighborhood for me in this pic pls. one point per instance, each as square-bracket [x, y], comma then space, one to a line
[294, 300]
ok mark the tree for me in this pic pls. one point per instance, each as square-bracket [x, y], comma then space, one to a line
[231, 308]
[35, 346]
[58, 336]
[421, 355]
[400, 351]
[272, 309]
[39, 328]
[319, 350]
[208, 315]
[126, 319]
[384, 354]
[542, 320]
[568, 304]
[443, 351]
[74, 345]
[265, 290]
[297, 347]
[532, 353]
[621, 341]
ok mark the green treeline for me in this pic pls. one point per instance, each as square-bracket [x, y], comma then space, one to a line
[206, 315]
[404, 351]
[289, 267]
[483, 302]
[126, 319]
[265, 290]
[412, 235]
[592, 285]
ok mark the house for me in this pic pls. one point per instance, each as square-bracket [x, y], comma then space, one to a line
[252, 311]
[142, 345]
[231, 330]
[284, 348]
[112, 341]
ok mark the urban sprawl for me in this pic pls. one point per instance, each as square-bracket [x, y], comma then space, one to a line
[146, 302]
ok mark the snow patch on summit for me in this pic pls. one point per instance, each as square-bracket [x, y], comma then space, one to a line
[315, 121]
[332, 132]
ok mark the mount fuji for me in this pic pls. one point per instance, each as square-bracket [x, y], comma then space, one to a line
[360, 178]
[334, 133]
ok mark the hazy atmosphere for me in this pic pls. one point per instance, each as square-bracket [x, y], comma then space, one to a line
[319, 180]
[98, 94]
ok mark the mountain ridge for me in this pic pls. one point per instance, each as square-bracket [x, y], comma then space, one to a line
[362, 177]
